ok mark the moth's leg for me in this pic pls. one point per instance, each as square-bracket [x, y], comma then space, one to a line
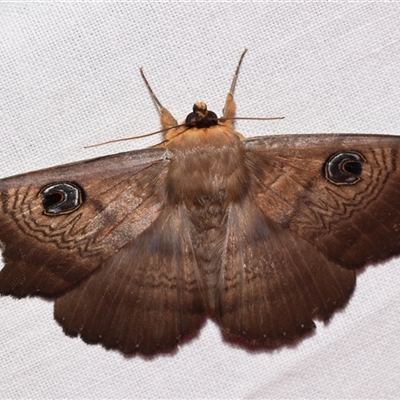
[166, 118]
[229, 109]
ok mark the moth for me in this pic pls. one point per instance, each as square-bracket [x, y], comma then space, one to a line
[263, 235]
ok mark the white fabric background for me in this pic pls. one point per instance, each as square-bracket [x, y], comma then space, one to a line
[69, 77]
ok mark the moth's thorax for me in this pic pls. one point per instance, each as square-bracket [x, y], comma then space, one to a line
[191, 138]
[207, 163]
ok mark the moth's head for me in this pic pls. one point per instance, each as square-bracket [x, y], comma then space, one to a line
[199, 127]
[200, 117]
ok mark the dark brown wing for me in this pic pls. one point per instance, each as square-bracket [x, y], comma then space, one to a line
[338, 192]
[273, 282]
[144, 298]
[116, 198]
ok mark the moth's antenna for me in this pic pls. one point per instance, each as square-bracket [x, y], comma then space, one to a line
[229, 110]
[131, 138]
[169, 122]
[252, 118]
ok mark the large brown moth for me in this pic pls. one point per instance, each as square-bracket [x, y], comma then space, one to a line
[262, 234]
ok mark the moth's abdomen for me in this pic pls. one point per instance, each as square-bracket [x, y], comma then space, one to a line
[205, 180]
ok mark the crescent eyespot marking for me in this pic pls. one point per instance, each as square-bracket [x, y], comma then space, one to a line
[61, 198]
[344, 168]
